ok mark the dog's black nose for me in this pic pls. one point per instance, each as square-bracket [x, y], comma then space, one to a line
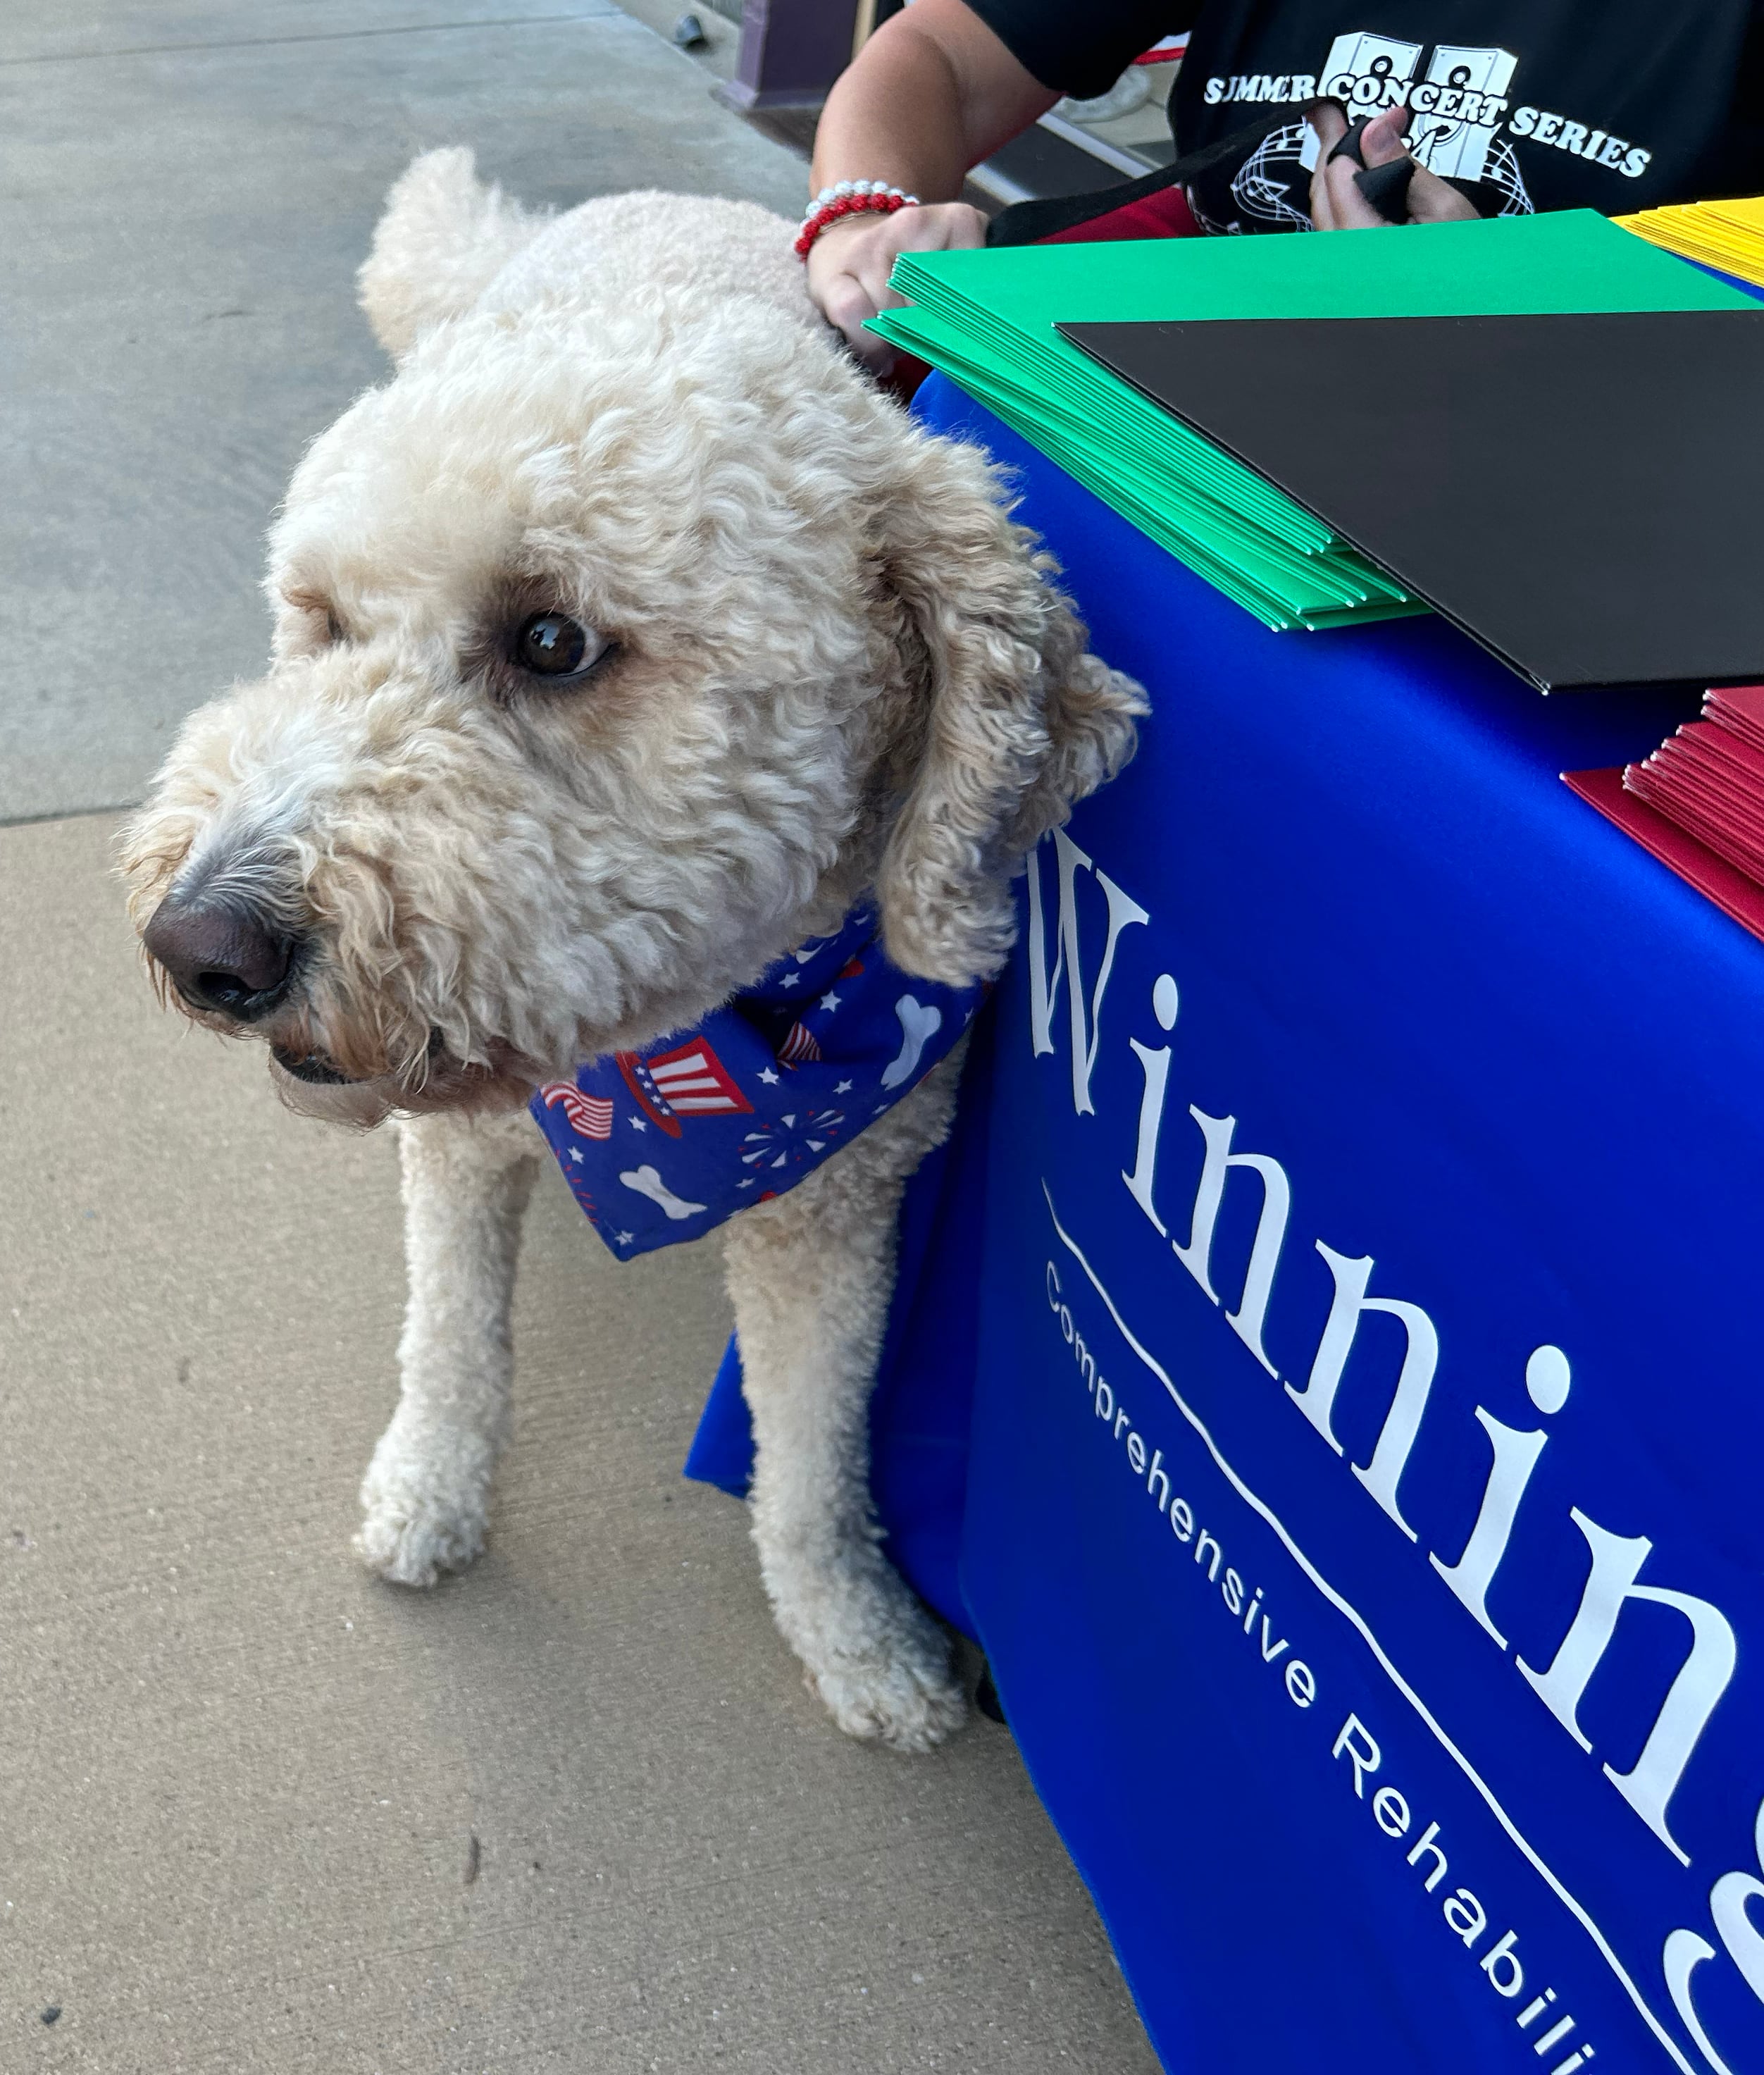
[221, 956]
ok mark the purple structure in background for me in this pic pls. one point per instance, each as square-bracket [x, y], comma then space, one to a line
[792, 51]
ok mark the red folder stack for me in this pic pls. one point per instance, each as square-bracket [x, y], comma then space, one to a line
[1709, 778]
[1697, 803]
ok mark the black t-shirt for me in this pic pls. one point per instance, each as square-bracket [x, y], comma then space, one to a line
[1525, 104]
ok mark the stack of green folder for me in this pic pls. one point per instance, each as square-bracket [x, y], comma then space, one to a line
[987, 318]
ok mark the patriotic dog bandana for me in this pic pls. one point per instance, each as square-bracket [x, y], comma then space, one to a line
[660, 1146]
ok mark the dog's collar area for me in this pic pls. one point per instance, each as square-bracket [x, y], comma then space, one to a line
[662, 1145]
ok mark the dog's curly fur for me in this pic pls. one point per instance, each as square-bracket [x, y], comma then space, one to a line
[833, 667]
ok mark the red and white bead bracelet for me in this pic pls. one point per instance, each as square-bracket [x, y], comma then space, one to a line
[849, 198]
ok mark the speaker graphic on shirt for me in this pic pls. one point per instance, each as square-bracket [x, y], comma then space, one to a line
[1457, 104]
[1361, 64]
[1367, 73]
[1445, 141]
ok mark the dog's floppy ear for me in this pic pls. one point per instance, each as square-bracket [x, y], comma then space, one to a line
[443, 238]
[1014, 721]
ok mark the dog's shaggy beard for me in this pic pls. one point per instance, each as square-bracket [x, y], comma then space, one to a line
[360, 1065]
[443, 1084]
[344, 1049]
[369, 1026]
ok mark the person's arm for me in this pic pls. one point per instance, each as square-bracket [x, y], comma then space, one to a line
[931, 93]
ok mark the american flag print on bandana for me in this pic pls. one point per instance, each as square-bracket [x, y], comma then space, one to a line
[665, 1143]
[798, 1044]
[588, 1117]
[690, 1081]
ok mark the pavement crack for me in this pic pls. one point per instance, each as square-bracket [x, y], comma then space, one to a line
[67, 814]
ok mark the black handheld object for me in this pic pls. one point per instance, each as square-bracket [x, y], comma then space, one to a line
[1385, 187]
[1347, 145]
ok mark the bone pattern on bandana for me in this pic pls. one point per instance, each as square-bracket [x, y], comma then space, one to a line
[919, 1025]
[648, 1182]
[664, 1145]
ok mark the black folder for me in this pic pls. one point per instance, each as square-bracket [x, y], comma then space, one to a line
[1583, 494]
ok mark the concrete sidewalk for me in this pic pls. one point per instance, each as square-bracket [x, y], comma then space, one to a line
[258, 1812]
[182, 222]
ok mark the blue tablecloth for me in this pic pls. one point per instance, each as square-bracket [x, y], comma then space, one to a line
[1352, 1247]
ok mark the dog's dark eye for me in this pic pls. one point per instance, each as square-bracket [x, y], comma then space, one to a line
[552, 645]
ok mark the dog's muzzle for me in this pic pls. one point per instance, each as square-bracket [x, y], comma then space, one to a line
[311, 1067]
[223, 958]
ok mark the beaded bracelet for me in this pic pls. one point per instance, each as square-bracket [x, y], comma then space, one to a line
[848, 198]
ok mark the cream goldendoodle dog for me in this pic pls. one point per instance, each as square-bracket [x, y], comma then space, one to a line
[625, 639]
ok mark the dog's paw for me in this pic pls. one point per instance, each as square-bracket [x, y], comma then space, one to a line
[906, 1699]
[417, 1524]
[871, 1652]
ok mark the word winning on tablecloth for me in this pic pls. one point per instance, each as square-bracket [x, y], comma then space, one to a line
[1474, 1574]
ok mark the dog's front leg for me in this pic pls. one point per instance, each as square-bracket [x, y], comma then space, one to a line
[426, 1496]
[811, 1276]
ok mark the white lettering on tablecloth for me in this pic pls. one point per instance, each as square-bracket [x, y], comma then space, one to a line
[1613, 1581]
[1202, 1542]
[1500, 1963]
[1068, 963]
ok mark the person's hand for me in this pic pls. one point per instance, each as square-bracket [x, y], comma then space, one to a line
[1336, 203]
[850, 263]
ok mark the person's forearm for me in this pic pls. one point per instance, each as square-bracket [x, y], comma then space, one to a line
[924, 99]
